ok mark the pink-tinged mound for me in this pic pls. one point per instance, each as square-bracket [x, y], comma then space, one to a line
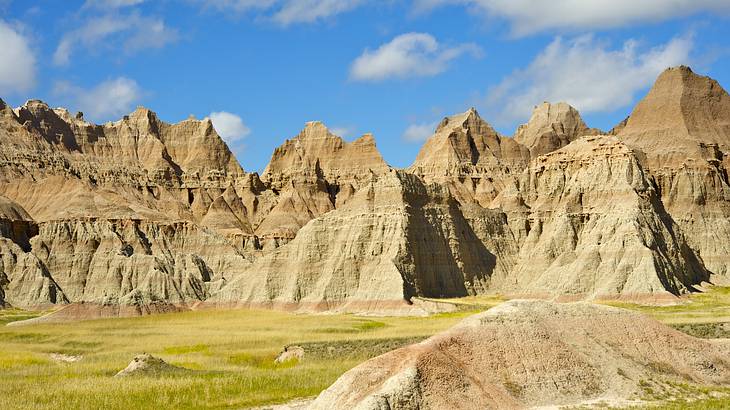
[525, 354]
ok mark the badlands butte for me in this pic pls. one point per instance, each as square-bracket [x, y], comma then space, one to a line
[139, 216]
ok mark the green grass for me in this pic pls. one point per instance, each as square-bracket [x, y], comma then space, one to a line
[231, 354]
[12, 315]
[712, 306]
[231, 351]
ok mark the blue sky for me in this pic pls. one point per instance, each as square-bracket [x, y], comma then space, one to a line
[262, 68]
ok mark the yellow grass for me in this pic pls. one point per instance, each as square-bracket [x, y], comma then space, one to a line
[230, 354]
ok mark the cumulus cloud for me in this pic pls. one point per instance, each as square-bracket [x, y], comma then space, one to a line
[17, 61]
[585, 73]
[407, 55]
[131, 33]
[111, 4]
[419, 132]
[286, 12]
[529, 16]
[108, 100]
[229, 126]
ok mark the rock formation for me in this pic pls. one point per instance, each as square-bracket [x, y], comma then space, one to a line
[551, 127]
[683, 128]
[596, 227]
[148, 365]
[109, 210]
[314, 172]
[471, 158]
[139, 215]
[529, 354]
[396, 238]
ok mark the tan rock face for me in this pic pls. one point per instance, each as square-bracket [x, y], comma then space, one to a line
[141, 215]
[313, 173]
[316, 147]
[396, 238]
[597, 227]
[683, 128]
[104, 214]
[551, 127]
[471, 158]
[525, 354]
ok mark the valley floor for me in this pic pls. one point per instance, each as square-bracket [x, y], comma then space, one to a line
[230, 354]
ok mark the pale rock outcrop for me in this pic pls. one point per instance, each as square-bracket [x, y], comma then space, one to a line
[313, 173]
[596, 227]
[396, 238]
[527, 354]
[317, 146]
[112, 216]
[24, 280]
[551, 127]
[683, 128]
[471, 158]
[147, 365]
[140, 215]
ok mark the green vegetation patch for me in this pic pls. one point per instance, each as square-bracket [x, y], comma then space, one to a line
[198, 348]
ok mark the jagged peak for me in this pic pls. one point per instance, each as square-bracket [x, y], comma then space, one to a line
[682, 77]
[552, 126]
[464, 120]
[365, 139]
[6, 110]
[680, 69]
[143, 112]
[34, 103]
[554, 109]
[315, 129]
[547, 113]
[682, 110]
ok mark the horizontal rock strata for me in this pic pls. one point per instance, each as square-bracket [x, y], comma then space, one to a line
[141, 215]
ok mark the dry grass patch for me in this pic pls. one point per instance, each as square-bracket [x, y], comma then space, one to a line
[231, 351]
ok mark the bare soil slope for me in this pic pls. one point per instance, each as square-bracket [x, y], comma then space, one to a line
[532, 353]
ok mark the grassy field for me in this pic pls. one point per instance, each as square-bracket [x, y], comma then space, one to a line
[230, 354]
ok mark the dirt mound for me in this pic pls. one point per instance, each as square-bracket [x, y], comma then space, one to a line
[533, 353]
[290, 353]
[148, 365]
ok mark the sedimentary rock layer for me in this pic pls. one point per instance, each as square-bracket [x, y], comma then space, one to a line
[151, 216]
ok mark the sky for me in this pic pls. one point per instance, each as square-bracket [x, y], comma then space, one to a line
[260, 69]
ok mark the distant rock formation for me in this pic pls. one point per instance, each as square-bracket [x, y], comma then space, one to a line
[525, 354]
[682, 128]
[139, 215]
[471, 158]
[395, 239]
[597, 227]
[551, 127]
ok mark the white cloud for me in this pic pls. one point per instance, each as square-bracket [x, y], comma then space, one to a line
[407, 55]
[343, 132]
[17, 61]
[111, 4]
[308, 11]
[419, 132]
[132, 32]
[529, 16]
[286, 12]
[229, 126]
[108, 100]
[585, 73]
